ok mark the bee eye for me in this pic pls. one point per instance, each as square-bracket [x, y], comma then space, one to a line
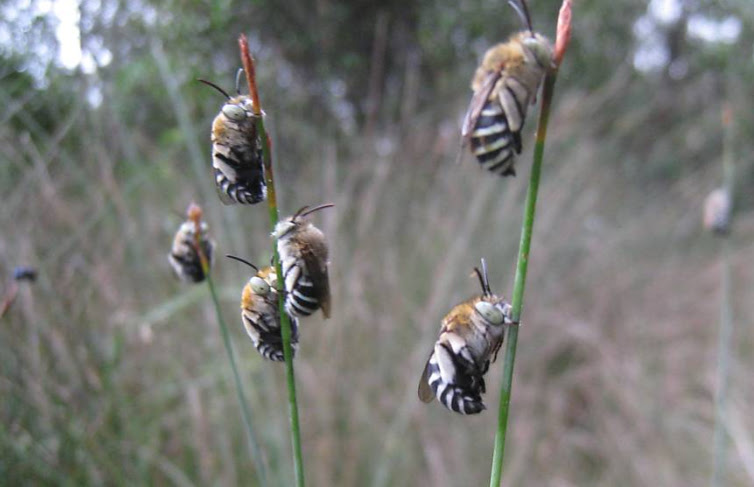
[259, 287]
[490, 312]
[234, 112]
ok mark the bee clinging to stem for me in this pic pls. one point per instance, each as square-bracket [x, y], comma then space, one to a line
[304, 260]
[470, 337]
[260, 313]
[184, 257]
[504, 85]
[237, 150]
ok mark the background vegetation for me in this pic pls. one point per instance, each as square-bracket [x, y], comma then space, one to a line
[111, 372]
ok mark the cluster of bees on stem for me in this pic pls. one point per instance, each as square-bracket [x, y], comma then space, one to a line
[471, 334]
[239, 173]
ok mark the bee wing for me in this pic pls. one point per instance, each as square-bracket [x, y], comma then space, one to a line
[425, 391]
[314, 256]
[325, 300]
[477, 103]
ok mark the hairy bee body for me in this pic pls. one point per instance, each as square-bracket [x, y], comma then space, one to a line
[261, 317]
[237, 153]
[470, 337]
[504, 85]
[184, 258]
[304, 261]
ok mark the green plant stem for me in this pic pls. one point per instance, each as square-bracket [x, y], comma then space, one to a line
[256, 454]
[285, 325]
[520, 281]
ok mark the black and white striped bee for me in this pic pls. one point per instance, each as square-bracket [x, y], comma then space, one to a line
[237, 150]
[471, 335]
[303, 257]
[183, 256]
[504, 85]
[260, 314]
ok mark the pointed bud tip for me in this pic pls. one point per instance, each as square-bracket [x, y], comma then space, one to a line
[563, 36]
[194, 212]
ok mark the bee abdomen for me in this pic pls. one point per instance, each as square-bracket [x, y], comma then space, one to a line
[244, 192]
[265, 334]
[463, 400]
[492, 141]
[303, 299]
[186, 264]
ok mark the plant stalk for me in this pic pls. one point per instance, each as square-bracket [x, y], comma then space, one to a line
[520, 281]
[562, 40]
[256, 454]
[725, 333]
[285, 325]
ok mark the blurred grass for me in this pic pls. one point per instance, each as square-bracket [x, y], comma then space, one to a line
[113, 373]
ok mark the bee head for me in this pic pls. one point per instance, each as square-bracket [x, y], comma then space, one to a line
[490, 307]
[235, 109]
[297, 220]
[259, 286]
[541, 48]
[490, 312]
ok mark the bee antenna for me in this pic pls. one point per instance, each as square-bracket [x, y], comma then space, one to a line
[213, 85]
[484, 279]
[238, 81]
[302, 213]
[242, 260]
[523, 12]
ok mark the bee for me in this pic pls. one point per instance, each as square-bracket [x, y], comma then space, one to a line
[303, 257]
[24, 273]
[237, 150]
[717, 210]
[183, 256]
[504, 85]
[471, 335]
[260, 314]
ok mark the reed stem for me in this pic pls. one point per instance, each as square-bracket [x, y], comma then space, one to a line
[256, 454]
[725, 333]
[285, 325]
[530, 207]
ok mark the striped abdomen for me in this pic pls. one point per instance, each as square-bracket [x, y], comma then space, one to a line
[241, 192]
[303, 300]
[493, 142]
[305, 294]
[239, 173]
[185, 260]
[264, 331]
[496, 137]
[462, 388]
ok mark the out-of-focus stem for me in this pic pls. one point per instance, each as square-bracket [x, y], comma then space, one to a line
[256, 453]
[725, 333]
[285, 325]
